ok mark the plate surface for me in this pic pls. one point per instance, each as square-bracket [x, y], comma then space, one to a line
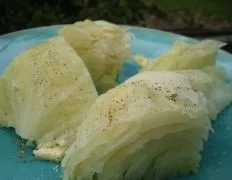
[18, 163]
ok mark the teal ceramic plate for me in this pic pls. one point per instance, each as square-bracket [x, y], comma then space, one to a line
[18, 163]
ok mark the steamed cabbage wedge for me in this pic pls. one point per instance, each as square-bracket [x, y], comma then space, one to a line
[46, 90]
[199, 55]
[103, 46]
[5, 107]
[150, 127]
[183, 55]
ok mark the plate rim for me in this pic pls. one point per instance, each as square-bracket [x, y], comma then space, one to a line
[126, 26]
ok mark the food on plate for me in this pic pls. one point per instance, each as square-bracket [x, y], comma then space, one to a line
[4, 104]
[46, 91]
[183, 55]
[103, 46]
[152, 126]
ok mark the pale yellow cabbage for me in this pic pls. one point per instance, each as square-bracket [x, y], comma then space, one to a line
[183, 55]
[211, 82]
[200, 55]
[103, 46]
[45, 93]
[150, 127]
[5, 107]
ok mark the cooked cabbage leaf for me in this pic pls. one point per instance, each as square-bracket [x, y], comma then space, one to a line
[45, 91]
[211, 82]
[183, 55]
[103, 46]
[135, 130]
[5, 107]
[200, 55]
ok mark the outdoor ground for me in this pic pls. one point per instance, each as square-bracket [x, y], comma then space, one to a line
[211, 15]
[165, 14]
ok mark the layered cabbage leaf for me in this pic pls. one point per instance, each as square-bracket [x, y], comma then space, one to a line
[45, 92]
[183, 55]
[103, 46]
[150, 127]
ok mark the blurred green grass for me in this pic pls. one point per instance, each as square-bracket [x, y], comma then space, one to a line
[15, 15]
[221, 9]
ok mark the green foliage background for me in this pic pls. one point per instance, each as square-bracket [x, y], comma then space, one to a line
[21, 14]
[18, 14]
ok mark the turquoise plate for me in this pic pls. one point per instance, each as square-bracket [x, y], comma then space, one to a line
[17, 161]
